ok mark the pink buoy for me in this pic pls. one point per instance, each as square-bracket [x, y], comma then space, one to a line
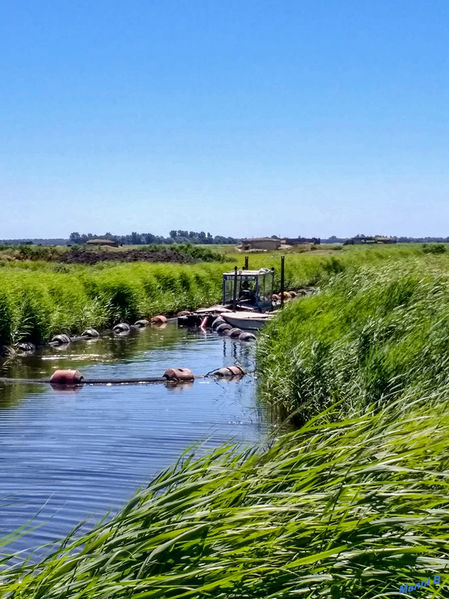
[236, 370]
[66, 377]
[179, 374]
[160, 319]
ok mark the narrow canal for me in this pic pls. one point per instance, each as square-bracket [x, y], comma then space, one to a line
[72, 456]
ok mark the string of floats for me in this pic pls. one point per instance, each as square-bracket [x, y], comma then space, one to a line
[172, 376]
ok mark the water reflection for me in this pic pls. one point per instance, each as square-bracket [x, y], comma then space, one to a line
[76, 455]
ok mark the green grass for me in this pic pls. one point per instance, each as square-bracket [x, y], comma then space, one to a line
[346, 510]
[40, 299]
[375, 332]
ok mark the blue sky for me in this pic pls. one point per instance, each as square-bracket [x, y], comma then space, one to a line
[240, 117]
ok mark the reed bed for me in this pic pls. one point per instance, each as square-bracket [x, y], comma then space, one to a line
[374, 333]
[175, 252]
[39, 300]
[349, 510]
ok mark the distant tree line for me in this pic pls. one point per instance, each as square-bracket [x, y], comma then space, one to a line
[423, 239]
[403, 239]
[179, 236]
[184, 236]
[28, 241]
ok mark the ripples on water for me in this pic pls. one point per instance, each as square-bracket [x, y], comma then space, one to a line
[71, 456]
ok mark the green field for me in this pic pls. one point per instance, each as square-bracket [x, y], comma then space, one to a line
[352, 504]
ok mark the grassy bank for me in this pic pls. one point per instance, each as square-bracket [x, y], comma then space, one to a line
[375, 332]
[38, 300]
[350, 510]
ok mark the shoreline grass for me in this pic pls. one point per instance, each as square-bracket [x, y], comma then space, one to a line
[36, 303]
[352, 509]
[374, 333]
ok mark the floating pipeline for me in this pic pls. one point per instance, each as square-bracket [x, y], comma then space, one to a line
[122, 328]
[184, 318]
[172, 376]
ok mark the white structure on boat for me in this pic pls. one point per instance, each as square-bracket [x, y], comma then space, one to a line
[248, 289]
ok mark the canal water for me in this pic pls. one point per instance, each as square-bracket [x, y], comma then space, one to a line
[72, 456]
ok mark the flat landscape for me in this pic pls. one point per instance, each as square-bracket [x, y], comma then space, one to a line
[349, 498]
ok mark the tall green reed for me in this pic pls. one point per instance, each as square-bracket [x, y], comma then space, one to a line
[352, 509]
[372, 334]
[40, 301]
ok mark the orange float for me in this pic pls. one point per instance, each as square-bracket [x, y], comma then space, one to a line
[66, 377]
[179, 374]
[160, 319]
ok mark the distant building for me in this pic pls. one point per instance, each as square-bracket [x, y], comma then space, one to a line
[362, 239]
[386, 239]
[103, 242]
[302, 240]
[261, 243]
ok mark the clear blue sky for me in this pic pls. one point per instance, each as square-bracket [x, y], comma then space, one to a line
[235, 117]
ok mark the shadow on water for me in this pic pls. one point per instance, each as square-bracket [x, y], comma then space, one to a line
[69, 456]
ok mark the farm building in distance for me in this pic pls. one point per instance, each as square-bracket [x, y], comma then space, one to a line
[302, 240]
[362, 239]
[261, 243]
[103, 242]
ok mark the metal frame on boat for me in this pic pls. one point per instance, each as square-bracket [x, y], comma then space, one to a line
[248, 289]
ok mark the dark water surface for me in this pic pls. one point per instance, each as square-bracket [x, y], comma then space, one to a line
[69, 456]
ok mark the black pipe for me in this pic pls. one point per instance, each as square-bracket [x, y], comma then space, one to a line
[133, 381]
[8, 380]
[153, 379]
[246, 262]
[282, 280]
[234, 295]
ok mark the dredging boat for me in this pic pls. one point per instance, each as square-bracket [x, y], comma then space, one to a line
[247, 300]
